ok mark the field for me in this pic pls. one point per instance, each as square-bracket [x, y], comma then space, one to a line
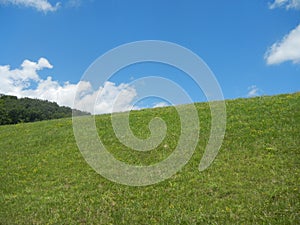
[254, 179]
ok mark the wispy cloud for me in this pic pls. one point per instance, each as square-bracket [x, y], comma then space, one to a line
[44, 5]
[288, 49]
[26, 82]
[40, 5]
[73, 3]
[288, 4]
[253, 91]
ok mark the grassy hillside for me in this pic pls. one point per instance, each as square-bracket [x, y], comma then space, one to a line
[254, 179]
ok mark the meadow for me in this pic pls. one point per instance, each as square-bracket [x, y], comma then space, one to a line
[254, 179]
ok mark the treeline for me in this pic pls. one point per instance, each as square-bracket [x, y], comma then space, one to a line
[22, 110]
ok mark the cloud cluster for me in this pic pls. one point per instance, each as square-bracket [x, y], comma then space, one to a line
[40, 5]
[288, 4]
[26, 82]
[288, 49]
[14, 81]
[106, 99]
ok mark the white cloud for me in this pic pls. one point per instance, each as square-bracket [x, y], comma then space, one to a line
[160, 104]
[288, 4]
[288, 49]
[13, 81]
[40, 5]
[20, 82]
[253, 91]
[107, 99]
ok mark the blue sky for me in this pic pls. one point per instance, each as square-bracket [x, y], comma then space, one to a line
[252, 47]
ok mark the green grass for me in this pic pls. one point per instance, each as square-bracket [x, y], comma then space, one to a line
[254, 179]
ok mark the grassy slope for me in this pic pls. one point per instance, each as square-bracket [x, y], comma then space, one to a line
[254, 179]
